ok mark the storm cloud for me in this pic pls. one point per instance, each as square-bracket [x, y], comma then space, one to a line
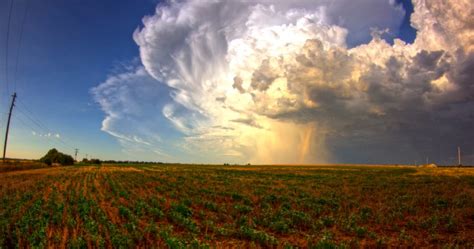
[270, 82]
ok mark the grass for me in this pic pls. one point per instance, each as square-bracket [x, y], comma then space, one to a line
[203, 206]
[17, 164]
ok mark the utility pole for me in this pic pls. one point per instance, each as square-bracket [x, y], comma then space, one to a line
[75, 154]
[8, 126]
[459, 156]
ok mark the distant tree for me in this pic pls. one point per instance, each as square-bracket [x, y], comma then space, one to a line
[65, 159]
[85, 160]
[47, 161]
[54, 156]
[95, 161]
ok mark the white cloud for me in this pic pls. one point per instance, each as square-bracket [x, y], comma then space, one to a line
[280, 82]
[132, 102]
[47, 135]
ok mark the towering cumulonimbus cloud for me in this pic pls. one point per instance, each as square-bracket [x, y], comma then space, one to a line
[283, 83]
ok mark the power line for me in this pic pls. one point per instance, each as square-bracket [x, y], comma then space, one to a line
[54, 141]
[50, 140]
[30, 115]
[17, 118]
[49, 132]
[33, 120]
[6, 44]
[25, 107]
[25, 111]
[19, 43]
[44, 128]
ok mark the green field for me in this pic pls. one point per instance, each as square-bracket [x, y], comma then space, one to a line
[198, 206]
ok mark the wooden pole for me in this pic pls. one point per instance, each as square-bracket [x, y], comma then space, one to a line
[8, 126]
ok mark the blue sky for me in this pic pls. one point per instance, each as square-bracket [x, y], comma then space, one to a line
[71, 47]
[68, 47]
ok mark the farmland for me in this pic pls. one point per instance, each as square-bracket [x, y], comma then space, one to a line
[205, 206]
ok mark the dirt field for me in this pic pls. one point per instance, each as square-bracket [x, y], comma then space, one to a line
[196, 206]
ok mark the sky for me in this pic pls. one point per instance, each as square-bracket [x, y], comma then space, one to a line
[321, 81]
